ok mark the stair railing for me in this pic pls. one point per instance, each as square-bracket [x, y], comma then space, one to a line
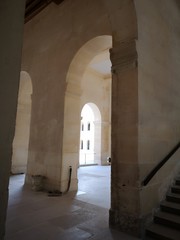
[151, 174]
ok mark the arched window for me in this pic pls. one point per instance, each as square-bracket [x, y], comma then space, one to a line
[89, 127]
[82, 127]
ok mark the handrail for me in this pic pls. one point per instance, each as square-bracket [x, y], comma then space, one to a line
[159, 165]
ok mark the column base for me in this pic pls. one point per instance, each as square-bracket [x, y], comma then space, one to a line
[18, 169]
[126, 223]
[53, 185]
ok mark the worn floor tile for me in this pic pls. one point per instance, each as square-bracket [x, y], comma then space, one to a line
[83, 216]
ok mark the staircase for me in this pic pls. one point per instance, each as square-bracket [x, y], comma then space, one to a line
[166, 225]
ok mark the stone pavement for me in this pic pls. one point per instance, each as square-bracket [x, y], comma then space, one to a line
[74, 216]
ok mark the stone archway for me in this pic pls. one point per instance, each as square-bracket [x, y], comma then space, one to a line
[73, 104]
[74, 40]
[23, 116]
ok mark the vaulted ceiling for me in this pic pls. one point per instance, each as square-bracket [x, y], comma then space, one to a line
[101, 64]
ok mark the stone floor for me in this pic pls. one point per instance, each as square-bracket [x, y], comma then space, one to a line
[74, 216]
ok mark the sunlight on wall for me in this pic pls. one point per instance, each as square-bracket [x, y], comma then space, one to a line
[22, 131]
[87, 136]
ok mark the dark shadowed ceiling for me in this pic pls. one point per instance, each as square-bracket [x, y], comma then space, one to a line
[33, 7]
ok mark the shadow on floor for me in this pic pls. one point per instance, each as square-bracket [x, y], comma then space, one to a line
[35, 216]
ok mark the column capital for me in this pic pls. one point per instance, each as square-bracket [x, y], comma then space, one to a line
[123, 56]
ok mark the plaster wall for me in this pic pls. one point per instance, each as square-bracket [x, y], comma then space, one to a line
[159, 94]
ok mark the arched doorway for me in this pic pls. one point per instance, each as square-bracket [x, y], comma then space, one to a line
[79, 91]
[23, 116]
[90, 135]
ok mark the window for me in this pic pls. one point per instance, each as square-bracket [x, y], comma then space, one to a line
[81, 144]
[88, 145]
[89, 126]
[82, 127]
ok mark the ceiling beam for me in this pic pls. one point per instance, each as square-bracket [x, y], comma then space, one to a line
[33, 7]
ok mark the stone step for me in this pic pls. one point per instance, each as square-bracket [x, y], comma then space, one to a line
[175, 189]
[177, 181]
[173, 197]
[157, 231]
[170, 207]
[167, 219]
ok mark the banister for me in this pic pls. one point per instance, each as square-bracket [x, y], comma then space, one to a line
[159, 165]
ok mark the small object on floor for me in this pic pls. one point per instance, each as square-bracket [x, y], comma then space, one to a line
[109, 160]
[54, 193]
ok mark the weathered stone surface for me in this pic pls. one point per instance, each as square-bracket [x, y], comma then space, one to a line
[158, 95]
[59, 44]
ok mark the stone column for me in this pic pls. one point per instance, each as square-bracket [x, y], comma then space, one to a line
[97, 141]
[125, 199]
[23, 117]
[11, 28]
[105, 137]
[71, 136]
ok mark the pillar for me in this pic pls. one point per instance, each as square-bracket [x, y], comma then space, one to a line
[22, 131]
[97, 141]
[11, 28]
[125, 199]
[105, 138]
[71, 135]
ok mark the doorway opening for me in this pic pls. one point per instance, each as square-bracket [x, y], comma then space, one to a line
[88, 87]
[90, 135]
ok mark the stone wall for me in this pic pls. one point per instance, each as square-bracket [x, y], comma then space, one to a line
[51, 41]
[145, 95]
[54, 56]
[159, 93]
